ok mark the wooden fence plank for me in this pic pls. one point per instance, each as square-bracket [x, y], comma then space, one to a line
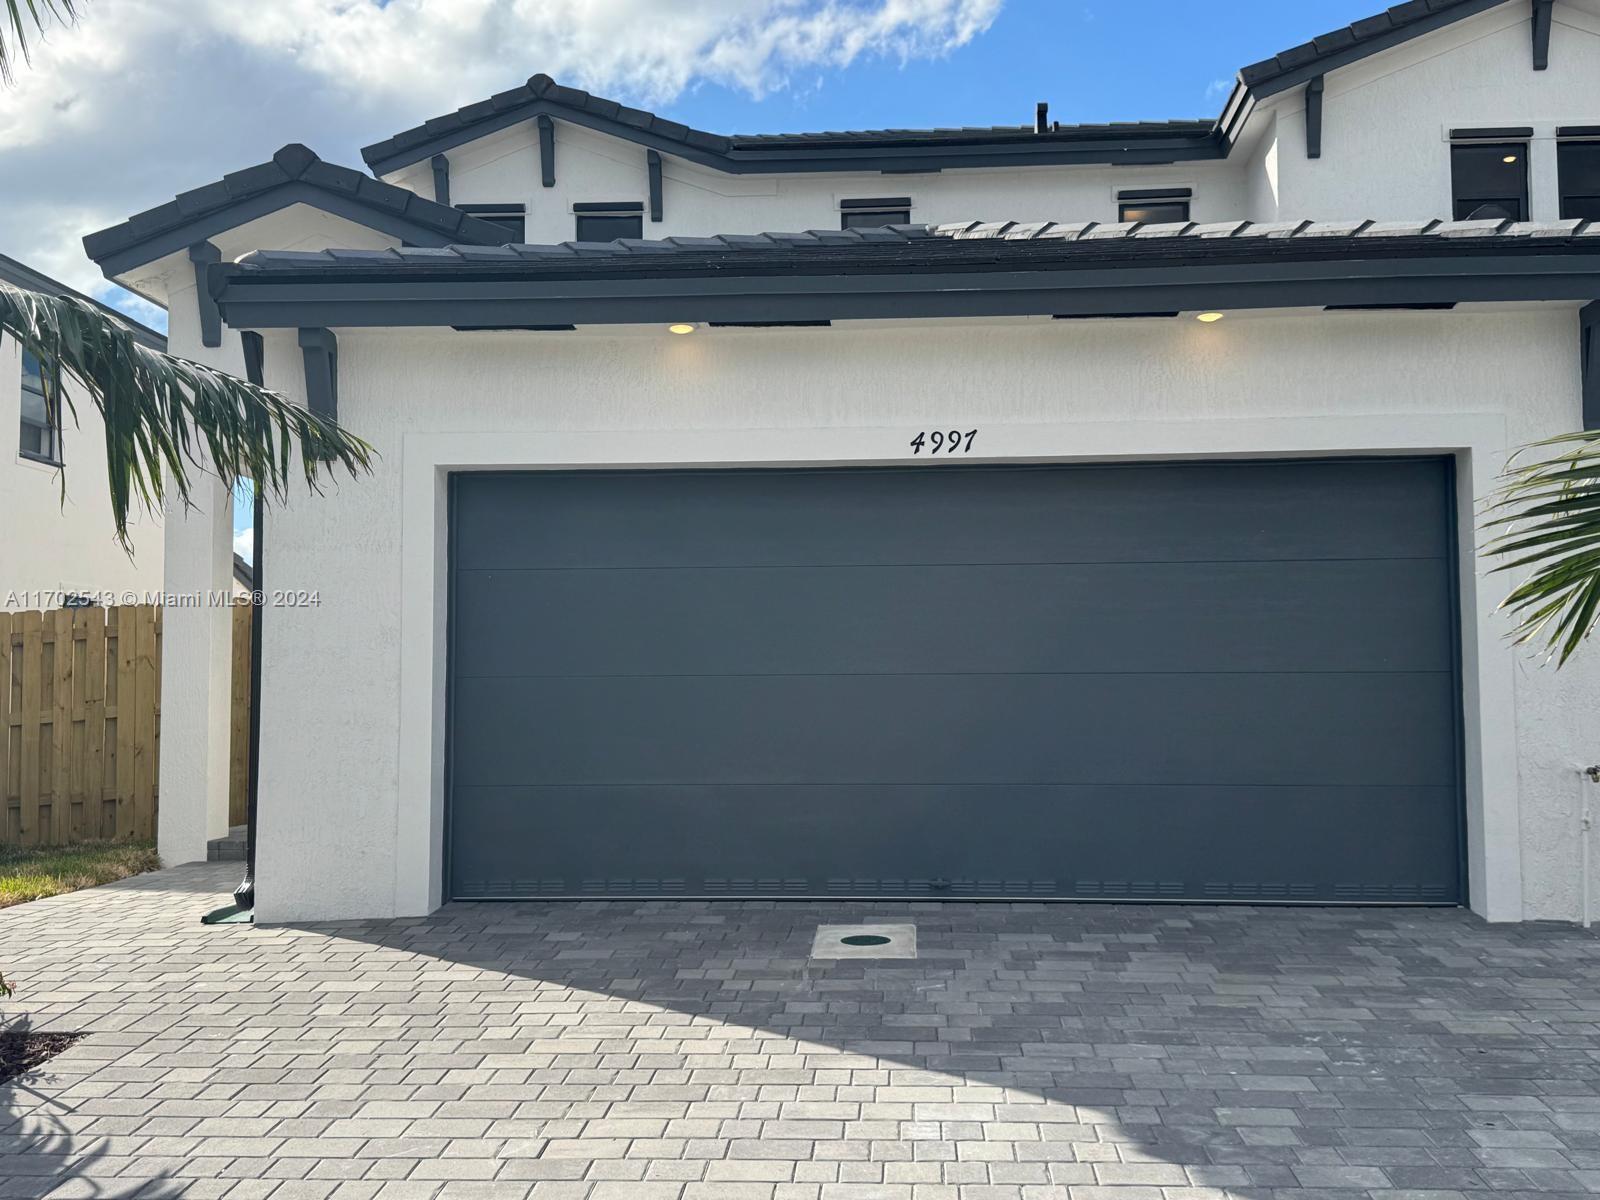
[92, 824]
[127, 717]
[239, 726]
[144, 779]
[32, 713]
[10, 706]
[61, 730]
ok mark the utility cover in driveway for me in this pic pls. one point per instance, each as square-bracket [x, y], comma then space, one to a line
[1206, 682]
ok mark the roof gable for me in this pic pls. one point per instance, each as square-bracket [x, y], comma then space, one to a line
[1352, 43]
[294, 175]
[926, 149]
[876, 149]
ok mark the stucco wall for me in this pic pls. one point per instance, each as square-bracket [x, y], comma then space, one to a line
[50, 544]
[334, 804]
[1386, 120]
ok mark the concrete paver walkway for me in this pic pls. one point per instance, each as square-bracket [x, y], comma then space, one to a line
[684, 1051]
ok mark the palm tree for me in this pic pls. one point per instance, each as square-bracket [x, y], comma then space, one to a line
[1546, 515]
[166, 419]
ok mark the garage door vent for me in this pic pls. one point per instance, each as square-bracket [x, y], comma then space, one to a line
[755, 887]
[633, 887]
[941, 887]
[1123, 889]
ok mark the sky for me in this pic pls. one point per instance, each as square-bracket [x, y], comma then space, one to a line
[142, 99]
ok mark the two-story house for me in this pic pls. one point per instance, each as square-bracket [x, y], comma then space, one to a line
[1075, 512]
[57, 540]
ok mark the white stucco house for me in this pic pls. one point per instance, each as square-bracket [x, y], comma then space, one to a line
[55, 547]
[1076, 512]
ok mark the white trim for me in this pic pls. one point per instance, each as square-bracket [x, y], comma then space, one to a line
[1478, 442]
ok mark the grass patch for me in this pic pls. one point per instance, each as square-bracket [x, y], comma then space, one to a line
[32, 872]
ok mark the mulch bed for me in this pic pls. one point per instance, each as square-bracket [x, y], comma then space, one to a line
[21, 1050]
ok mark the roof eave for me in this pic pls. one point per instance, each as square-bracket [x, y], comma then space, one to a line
[278, 298]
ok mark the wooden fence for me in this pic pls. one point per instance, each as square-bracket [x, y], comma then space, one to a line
[80, 719]
[239, 724]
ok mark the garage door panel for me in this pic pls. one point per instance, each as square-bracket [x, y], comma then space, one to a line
[1240, 729]
[1225, 681]
[1374, 615]
[1087, 842]
[949, 514]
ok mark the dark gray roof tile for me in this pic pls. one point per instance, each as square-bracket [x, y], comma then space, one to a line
[1366, 35]
[924, 247]
[294, 164]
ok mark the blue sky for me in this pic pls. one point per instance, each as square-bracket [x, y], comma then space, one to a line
[1092, 62]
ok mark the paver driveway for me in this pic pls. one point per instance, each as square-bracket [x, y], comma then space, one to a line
[692, 1050]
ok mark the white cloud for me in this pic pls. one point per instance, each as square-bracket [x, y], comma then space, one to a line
[244, 543]
[1218, 88]
[143, 98]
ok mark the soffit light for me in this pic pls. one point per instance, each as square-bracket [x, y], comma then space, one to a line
[1510, 158]
[1208, 317]
[682, 327]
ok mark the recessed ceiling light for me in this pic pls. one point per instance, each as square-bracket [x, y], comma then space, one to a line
[1209, 317]
[1510, 158]
[682, 327]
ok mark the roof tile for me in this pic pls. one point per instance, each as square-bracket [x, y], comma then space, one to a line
[294, 164]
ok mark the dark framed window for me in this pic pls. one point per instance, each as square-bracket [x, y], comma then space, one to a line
[873, 212]
[1578, 164]
[1153, 212]
[609, 222]
[41, 414]
[512, 216]
[1489, 181]
[1154, 206]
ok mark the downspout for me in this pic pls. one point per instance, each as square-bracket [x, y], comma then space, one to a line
[1586, 777]
[242, 910]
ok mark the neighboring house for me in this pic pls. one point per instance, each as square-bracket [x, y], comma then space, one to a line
[1082, 512]
[52, 546]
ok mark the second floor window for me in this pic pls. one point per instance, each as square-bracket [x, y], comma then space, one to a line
[1489, 181]
[41, 415]
[1156, 206]
[872, 213]
[511, 217]
[1579, 166]
[608, 222]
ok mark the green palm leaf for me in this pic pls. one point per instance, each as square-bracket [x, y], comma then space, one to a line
[22, 16]
[169, 420]
[1546, 515]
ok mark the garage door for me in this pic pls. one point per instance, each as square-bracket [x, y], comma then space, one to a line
[1222, 681]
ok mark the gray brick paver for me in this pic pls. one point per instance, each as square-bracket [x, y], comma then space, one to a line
[639, 1049]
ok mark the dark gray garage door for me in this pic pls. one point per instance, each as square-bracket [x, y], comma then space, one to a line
[1209, 682]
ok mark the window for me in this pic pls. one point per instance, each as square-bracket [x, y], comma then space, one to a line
[512, 216]
[1154, 206]
[1489, 180]
[608, 222]
[1579, 167]
[41, 417]
[873, 213]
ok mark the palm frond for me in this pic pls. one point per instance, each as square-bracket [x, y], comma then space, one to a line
[23, 18]
[1546, 515]
[167, 419]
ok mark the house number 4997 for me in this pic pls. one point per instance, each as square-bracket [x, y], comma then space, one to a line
[944, 441]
